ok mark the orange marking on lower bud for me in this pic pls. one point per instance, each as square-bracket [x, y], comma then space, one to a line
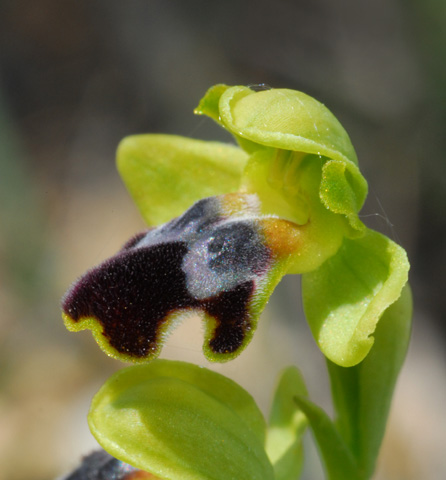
[140, 475]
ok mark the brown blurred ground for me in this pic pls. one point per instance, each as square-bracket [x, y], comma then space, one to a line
[76, 76]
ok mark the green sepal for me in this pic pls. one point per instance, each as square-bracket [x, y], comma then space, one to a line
[362, 394]
[338, 460]
[209, 103]
[166, 174]
[291, 120]
[286, 119]
[356, 285]
[286, 426]
[178, 420]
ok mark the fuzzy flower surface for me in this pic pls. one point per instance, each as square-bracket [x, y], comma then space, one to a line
[228, 222]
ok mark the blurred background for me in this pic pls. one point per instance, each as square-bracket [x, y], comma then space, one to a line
[76, 76]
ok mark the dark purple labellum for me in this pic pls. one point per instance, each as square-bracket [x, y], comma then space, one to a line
[201, 260]
[133, 294]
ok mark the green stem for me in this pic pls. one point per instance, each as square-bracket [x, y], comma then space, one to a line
[338, 459]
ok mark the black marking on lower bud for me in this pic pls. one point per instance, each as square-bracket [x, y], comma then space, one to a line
[100, 465]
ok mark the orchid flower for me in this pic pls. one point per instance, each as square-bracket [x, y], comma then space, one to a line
[285, 201]
[226, 223]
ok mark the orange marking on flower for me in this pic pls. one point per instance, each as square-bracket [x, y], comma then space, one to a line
[284, 238]
[237, 203]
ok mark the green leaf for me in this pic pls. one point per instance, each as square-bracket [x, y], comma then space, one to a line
[177, 420]
[357, 285]
[166, 174]
[362, 394]
[287, 425]
[337, 457]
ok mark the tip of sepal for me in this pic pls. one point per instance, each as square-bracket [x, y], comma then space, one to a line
[209, 103]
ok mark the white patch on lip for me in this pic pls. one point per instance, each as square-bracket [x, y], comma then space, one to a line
[201, 281]
[229, 254]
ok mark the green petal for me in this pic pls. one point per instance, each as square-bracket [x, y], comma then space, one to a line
[356, 285]
[362, 394]
[287, 424]
[177, 420]
[290, 120]
[166, 174]
[343, 190]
